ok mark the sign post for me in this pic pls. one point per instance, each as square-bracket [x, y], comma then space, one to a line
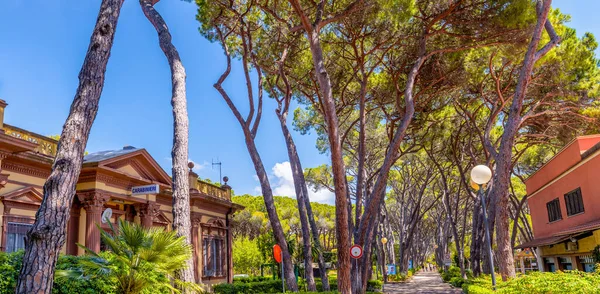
[447, 260]
[278, 255]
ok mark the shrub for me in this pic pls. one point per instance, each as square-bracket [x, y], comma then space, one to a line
[10, 265]
[399, 277]
[539, 283]
[374, 285]
[82, 286]
[252, 285]
[452, 272]
[457, 282]
[267, 286]
[252, 279]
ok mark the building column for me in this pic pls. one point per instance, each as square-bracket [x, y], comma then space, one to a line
[576, 262]
[93, 203]
[522, 262]
[229, 248]
[557, 265]
[196, 249]
[147, 212]
[540, 259]
[73, 229]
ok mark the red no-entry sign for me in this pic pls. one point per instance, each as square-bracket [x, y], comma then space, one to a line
[356, 251]
[277, 253]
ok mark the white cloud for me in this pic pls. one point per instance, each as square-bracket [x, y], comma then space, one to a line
[199, 166]
[282, 182]
[321, 196]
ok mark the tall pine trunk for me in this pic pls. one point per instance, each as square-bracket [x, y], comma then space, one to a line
[288, 267]
[504, 166]
[45, 239]
[337, 162]
[249, 135]
[305, 211]
[181, 188]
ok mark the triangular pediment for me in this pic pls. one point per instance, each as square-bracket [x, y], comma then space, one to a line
[132, 171]
[161, 218]
[138, 164]
[25, 195]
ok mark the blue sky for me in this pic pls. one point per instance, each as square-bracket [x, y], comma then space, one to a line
[42, 46]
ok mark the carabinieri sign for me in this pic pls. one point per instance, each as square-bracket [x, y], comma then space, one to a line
[148, 189]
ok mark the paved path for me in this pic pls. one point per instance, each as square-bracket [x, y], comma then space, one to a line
[422, 283]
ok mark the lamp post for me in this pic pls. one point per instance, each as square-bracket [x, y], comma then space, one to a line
[481, 175]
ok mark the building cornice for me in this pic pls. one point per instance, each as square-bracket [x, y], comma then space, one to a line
[565, 173]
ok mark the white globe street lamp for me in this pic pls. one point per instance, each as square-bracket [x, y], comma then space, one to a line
[481, 175]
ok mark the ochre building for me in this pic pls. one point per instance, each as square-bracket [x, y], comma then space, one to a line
[106, 181]
[564, 200]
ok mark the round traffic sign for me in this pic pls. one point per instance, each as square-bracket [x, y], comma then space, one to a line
[356, 251]
[277, 253]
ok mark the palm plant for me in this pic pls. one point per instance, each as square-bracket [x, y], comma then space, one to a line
[138, 260]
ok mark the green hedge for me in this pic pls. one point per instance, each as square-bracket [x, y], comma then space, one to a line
[538, 283]
[259, 285]
[269, 286]
[10, 265]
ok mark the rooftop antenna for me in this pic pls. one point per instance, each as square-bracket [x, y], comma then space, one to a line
[219, 164]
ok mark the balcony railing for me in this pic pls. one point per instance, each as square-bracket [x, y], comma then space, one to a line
[46, 146]
[213, 190]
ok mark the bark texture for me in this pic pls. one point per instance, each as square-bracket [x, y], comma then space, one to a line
[250, 128]
[181, 188]
[304, 205]
[337, 162]
[503, 173]
[47, 236]
[301, 195]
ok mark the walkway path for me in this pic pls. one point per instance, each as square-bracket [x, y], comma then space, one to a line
[422, 283]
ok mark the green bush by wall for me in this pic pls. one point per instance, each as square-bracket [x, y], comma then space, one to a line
[575, 282]
[260, 285]
[10, 265]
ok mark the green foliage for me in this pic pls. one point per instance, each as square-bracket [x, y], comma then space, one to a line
[538, 283]
[139, 261]
[452, 272]
[457, 282]
[374, 285]
[249, 286]
[10, 265]
[252, 224]
[265, 285]
[90, 285]
[247, 257]
[596, 254]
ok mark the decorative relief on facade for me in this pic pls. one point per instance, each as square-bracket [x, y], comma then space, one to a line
[113, 181]
[26, 170]
[93, 201]
[150, 209]
[3, 180]
[46, 145]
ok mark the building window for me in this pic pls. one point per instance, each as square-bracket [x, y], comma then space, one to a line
[15, 236]
[214, 257]
[574, 202]
[554, 210]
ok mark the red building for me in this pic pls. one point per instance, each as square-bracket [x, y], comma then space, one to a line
[564, 200]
